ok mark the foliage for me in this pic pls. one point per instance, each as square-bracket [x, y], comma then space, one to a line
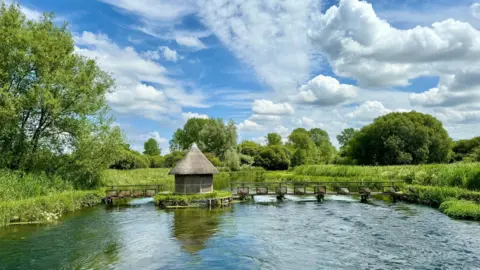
[345, 136]
[46, 208]
[300, 157]
[192, 197]
[151, 148]
[273, 158]
[435, 196]
[311, 147]
[246, 160]
[211, 135]
[461, 209]
[232, 160]
[52, 102]
[249, 148]
[401, 138]
[213, 159]
[129, 159]
[274, 139]
[157, 161]
[467, 150]
[172, 158]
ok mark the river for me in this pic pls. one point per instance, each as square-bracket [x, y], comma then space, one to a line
[339, 233]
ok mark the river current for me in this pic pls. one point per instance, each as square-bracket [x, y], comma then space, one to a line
[339, 233]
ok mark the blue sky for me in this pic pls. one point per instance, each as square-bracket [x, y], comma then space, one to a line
[277, 65]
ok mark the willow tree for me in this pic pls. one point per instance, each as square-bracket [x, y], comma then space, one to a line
[52, 101]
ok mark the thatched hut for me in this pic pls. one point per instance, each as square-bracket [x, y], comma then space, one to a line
[194, 173]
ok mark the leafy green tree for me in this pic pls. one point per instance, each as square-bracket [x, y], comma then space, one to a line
[213, 159]
[274, 139]
[249, 148]
[345, 136]
[273, 158]
[300, 139]
[466, 149]
[211, 135]
[232, 160]
[157, 161]
[52, 101]
[151, 148]
[325, 152]
[172, 158]
[400, 138]
[300, 157]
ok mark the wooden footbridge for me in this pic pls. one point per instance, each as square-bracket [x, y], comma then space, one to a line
[364, 189]
[133, 191]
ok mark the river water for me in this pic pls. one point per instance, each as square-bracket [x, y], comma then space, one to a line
[339, 233]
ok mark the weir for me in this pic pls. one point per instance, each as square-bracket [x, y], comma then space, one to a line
[364, 189]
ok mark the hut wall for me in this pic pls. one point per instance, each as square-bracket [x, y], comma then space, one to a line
[188, 184]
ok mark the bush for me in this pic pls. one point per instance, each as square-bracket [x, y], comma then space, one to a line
[129, 160]
[157, 161]
[172, 158]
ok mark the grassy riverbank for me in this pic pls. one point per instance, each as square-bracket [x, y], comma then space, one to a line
[36, 198]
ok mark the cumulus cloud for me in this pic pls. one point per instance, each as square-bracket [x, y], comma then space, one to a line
[324, 91]
[267, 35]
[306, 122]
[449, 115]
[188, 115]
[164, 52]
[370, 110]
[142, 85]
[248, 125]
[264, 106]
[362, 46]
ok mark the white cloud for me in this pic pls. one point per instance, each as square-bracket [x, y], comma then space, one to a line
[264, 106]
[370, 110]
[169, 54]
[133, 74]
[188, 115]
[265, 117]
[325, 90]
[306, 122]
[475, 9]
[283, 131]
[267, 35]
[448, 115]
[248, 125]
[163, 52]
[165, 10]
[360, 45]
[190, 41]
[260, 140]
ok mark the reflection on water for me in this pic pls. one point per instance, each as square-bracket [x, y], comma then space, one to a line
[335, 234]
[195, 226]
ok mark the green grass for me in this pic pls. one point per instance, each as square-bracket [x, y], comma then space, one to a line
[217, 194]
[463, 175]
[461, 209]
[19, 186]
[434, 195]
[46, 208]
[137, 177]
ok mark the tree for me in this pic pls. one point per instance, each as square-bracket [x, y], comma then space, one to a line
[52, 101]
[345, 136]
[466, 149]
[325, 151]
[249, 148]
[299, 157]
[232, 160]
[273, 158]
[274, 139]
[211, 135]
[151, 148]
[400, 138]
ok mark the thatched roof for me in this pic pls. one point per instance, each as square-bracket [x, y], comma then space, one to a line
[194, 162]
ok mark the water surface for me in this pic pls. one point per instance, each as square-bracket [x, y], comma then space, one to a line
[340, 233]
